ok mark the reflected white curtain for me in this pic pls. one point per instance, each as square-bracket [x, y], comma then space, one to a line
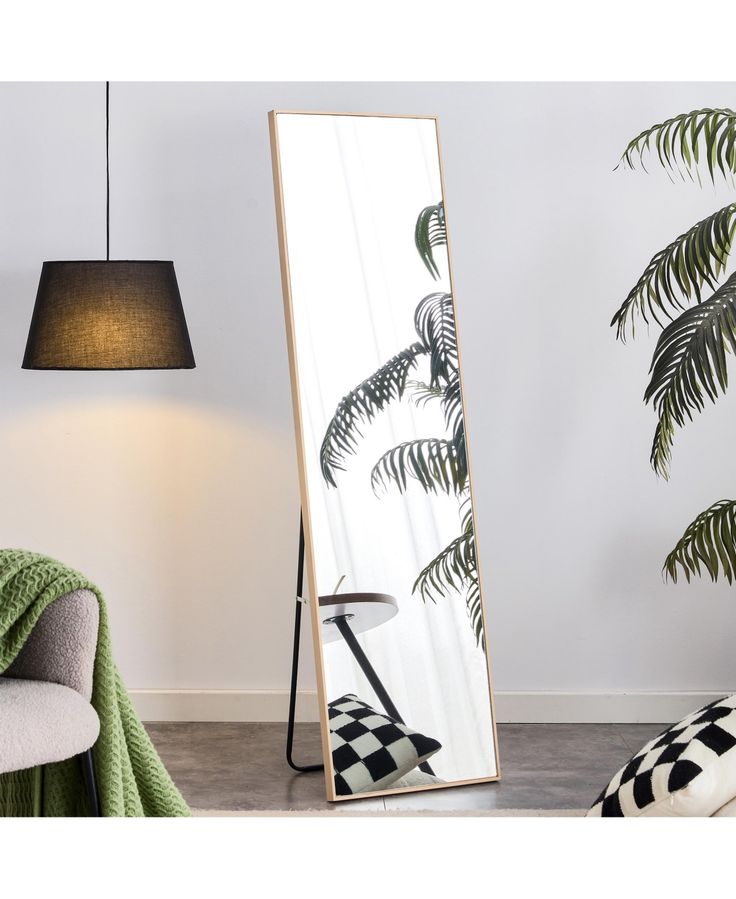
[353, 187]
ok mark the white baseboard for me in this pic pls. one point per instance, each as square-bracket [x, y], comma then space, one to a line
[599, 708]
[222, 705]
[511, 707]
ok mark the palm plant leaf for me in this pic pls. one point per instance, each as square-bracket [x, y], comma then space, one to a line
[681, 142]
[475, 610]
[430, 461]
[430, 232]
[690, 363]
[709, 541]
[466, 516]
[455, 569]
[450, 570]
[362, 405]
[472, 597]
[679, 270]
[422, 393]
[452, 404]
[434, 320]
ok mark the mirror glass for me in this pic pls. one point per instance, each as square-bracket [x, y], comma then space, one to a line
[402, 648]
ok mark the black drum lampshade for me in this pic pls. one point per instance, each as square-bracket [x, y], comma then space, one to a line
[108, 315]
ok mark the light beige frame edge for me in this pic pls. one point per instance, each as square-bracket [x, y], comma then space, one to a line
[308, 554]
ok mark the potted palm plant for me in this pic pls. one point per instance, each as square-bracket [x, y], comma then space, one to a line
[436, 464]
[687, 291]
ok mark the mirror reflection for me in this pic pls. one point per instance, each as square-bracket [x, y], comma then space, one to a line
[383, 443]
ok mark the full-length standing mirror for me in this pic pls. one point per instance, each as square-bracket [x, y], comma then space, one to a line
[400, 632]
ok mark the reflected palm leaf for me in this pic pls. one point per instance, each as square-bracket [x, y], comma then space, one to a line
[689, 364]
[430, 232]
[466, 516]
[434, 321]
[438, 465]
[451, 570]
[474, 606]
[431, 461]
[709, 541]
[361, 406]
[455, 569]
[452, 404]
[422, 393]
[696, 257]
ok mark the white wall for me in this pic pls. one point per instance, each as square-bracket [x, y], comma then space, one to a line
[177, 491]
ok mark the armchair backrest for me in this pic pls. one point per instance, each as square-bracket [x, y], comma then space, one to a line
[61, 648]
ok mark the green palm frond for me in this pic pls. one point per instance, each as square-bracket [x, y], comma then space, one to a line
[472, 597]
[679, 271]
[437, 465]
[362, 405]
[452, 405]
[450, 570]
[455, 570]
[466, 515]
[422, 393]
[434, 320]
[689, 364]
[709, 541]
[664, 436]
[430, 232]
[683, 141]
[430, 461]
[474, 608]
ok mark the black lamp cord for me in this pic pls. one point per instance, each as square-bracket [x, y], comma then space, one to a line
[107, 164]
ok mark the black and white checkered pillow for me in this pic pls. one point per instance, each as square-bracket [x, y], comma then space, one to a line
[370, 750]
[689, 770]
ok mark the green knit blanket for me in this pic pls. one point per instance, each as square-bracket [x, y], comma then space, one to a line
[131, 778]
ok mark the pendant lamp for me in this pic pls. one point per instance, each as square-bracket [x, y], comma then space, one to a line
[108, 314]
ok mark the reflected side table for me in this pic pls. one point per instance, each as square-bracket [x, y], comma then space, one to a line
[342, 616]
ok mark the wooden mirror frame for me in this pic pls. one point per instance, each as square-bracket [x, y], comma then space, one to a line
[301, 455]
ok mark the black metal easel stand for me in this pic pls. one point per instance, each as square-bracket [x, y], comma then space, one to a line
[295, 659]
[341, 623]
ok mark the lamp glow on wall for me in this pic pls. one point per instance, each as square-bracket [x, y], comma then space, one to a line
[108, 314]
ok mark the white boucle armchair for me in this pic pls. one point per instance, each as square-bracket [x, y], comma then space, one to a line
[45, 710]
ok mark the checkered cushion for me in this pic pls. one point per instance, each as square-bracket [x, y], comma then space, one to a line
[689, 770]
[371, 750]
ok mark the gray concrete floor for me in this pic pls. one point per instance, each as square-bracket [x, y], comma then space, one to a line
[241, 767]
